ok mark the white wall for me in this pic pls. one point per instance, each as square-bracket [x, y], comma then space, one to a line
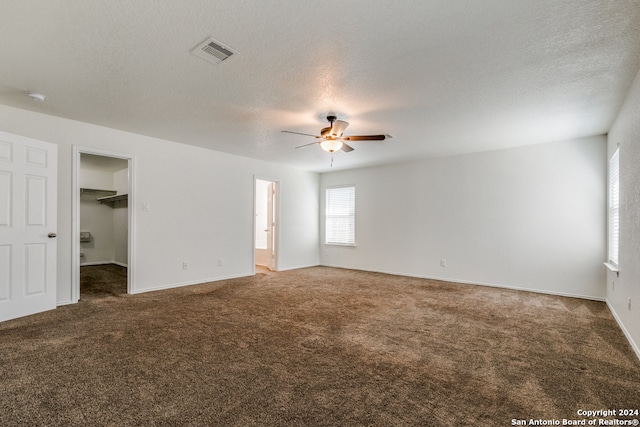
[626, 133]
[201, 204]
[120, 218]
[530, 217]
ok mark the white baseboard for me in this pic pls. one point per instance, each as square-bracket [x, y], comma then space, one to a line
[537, 291]
[195, 282]
[68, 302]
[85, 264]
[492, 285]
[299, 267]
[626, 333]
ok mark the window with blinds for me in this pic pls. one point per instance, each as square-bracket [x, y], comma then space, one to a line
[614, 207]
[340, 216]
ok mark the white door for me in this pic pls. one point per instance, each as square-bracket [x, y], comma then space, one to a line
[28, 183]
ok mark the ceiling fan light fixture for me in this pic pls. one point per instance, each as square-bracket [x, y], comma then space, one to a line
[37, 96]
[331, 138]
[331, 145]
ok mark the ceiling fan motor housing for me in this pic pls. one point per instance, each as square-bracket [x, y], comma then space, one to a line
[331, 138]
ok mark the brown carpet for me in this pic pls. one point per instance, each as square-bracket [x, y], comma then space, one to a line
[316, 346]
[99, 281]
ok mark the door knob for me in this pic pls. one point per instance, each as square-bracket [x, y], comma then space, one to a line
[52, 235]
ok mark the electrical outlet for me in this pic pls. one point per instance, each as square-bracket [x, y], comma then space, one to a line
[185, 266]
[613, 285]
[220, 262]
[443, 263]
[629, 303]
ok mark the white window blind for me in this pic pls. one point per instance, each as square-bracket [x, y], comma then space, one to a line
[614, 207]
[340, 216]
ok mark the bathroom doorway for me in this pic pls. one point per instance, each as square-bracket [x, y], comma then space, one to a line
[266, 224]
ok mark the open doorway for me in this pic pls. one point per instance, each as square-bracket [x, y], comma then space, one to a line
[102, 258]
[266, 225]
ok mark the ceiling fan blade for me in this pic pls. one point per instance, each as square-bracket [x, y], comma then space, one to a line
[300, 133]
[306, 145]
[346, 148]
[364, 138]
[338, 127]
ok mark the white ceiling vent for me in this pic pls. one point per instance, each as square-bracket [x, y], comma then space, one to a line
[213, 51]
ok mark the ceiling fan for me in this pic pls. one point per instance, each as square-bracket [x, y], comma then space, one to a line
[331, 138]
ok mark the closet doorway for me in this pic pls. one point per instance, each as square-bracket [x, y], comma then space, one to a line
[266, 224]
[102, 225]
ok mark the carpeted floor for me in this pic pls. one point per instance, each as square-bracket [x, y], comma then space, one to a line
[99, 281]
[316, 346]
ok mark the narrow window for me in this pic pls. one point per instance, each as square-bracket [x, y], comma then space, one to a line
[340, 216]
[614, 207]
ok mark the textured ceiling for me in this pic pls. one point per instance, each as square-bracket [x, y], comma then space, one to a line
[443, 76]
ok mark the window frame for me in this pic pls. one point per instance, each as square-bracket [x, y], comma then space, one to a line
[350, 242]
[613, 209]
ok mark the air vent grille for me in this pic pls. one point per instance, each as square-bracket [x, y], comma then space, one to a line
[213, 51]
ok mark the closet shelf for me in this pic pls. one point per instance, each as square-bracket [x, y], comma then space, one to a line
[111, 200]
[95, 192]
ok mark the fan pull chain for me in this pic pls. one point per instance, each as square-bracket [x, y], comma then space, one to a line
[331, 159]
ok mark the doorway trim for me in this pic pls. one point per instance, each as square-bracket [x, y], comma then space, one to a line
[276, 208]
[75, 216]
